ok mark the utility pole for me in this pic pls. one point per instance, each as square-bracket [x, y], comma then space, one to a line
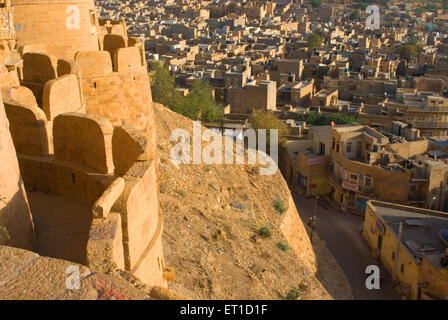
[430, 203]
[313, 220]
[397, 251]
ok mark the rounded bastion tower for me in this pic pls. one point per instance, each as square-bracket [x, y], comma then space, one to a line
[59, 27]
[73, 74]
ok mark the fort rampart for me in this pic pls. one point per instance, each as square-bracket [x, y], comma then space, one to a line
[81, 126]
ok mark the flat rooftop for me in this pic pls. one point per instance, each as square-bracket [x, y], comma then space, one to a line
[440, 141]
[302, 84]
[421, 228]
[323, 131]
[325, 92]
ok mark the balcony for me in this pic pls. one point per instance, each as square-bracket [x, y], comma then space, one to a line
[365, 190]
[349, 185]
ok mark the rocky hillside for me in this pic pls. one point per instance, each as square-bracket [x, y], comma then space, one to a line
[212, 214]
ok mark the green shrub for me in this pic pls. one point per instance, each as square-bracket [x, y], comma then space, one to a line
[198, 104]
[314, 41]
[4, 233]
[260, 119]
[319, 119]
[3, 230]
[282, 246]
[316, 3]
[279, 206]
[211, 185]
[265, 231]
[355, 14]
[293, 294]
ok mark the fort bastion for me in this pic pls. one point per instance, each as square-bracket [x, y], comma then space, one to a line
[77, 133]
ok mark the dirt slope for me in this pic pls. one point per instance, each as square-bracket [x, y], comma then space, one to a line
[208, 235]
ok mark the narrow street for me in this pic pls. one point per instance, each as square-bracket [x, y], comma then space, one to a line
[341, 232]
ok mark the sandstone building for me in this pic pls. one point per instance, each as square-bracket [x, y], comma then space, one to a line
[260, 95]
[351, 164]
[410, 244]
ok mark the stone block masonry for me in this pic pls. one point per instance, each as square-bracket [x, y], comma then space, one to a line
[123, 98]
[46, 22]
[62, 95]
[29, 129]
[84, 139]
[82, 123]
[16, 224]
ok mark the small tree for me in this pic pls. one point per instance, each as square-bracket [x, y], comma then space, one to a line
[261, 119]
[162, 84]
[325, 120]
[199, 104]
[409, 50]
[340, 118]
[314, 41]
[316, 3]
[355, 15]
[363, 4]
[445, 4]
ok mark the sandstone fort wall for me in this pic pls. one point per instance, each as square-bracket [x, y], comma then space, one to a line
[83, 126]
[85, 140]
[62, 95]
[45, 23]
[15, 218]
[29, 129]
[82, 167]
[118, 89]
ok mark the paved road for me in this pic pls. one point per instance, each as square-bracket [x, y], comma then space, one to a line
[341, 232]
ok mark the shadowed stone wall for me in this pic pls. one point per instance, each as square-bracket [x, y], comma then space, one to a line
[16, 226]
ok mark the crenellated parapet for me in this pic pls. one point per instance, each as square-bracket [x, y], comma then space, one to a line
[81, 119]
[88, 164]
[58, 27]
[16, 224]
